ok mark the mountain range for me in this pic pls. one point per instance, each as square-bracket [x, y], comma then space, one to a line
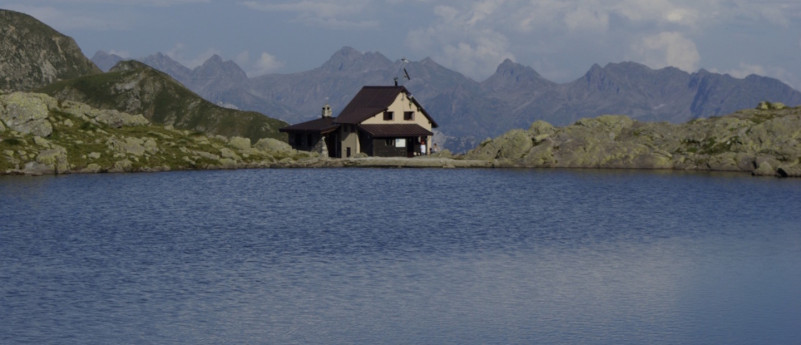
[469, 111]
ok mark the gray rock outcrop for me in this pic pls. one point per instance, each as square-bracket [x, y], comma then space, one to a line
[26, 113]
[41, 135]
[763, 141]
[33, 55]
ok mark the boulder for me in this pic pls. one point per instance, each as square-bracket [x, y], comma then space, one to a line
[55, 159]
[35, 168]
[764, 105]
[92, 168]
[765, 166]
[789, 170]
[540, 127]
[227, 153]
[27, 113]
[127, 145]
[151, 146]
[41, 141]
[240, 143]
[515, 144]
[117, 119]
[122, 166]
[273, 145]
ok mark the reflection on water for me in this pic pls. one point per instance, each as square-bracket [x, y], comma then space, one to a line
[396, 256]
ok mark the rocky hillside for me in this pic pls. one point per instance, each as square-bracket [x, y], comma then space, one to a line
[33, 55]
[763, 141]
[42, 135]
[136, 88]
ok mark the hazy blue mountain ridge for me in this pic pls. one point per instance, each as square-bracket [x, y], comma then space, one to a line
[469, 111]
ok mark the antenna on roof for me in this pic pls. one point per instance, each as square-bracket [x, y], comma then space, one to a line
[404, 61]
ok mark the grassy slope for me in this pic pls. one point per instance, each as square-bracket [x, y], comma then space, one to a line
[138, 89]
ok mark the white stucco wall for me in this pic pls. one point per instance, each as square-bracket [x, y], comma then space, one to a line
[401, 105]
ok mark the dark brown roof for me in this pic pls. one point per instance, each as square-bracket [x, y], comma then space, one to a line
[395, 130]
[372, 100]
[322, 125]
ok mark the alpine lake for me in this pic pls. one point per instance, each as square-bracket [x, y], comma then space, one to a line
[400, 256]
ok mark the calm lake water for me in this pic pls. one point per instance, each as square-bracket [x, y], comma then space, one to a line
[400, 256]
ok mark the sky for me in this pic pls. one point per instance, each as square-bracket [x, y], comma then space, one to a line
[560, 39]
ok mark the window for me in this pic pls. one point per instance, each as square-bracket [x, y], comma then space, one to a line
[309, 140]
[400, 142]
[408, 116]
[388, 115]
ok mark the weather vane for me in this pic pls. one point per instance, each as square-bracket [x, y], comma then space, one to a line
[404, 61]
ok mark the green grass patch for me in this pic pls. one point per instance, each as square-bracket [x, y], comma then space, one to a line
[11, 142]
[761, 117]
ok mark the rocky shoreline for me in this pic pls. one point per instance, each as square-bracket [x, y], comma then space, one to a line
[41, 135]
[765, 141]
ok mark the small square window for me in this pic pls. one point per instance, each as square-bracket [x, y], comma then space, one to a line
[388, 115]
[408, 116]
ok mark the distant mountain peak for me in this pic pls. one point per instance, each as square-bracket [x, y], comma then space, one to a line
[106, 60]
[161, 58]
[511, 68]
[428, 60]
[510, 74]
[215, 73]
[507, 63]
[214, 59]
[347, 51]
[165, 63]
[352, 60]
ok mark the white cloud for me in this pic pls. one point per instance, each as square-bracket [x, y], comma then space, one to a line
[746, 69]
[178, 53]
[463, 39]
[662, 11]
[121, 53]
[482, 10]
[158, 3]
[243, 59]
[667, 49]
[587, 19]
[341, 14]
[266, 63]
[62, 19]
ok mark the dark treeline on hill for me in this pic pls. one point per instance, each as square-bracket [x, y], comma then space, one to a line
[34, 57]
[469, 111]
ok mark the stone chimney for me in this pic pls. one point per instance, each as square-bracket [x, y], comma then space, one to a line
[326, 111]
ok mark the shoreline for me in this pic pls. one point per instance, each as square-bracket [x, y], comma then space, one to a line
[394, 163]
